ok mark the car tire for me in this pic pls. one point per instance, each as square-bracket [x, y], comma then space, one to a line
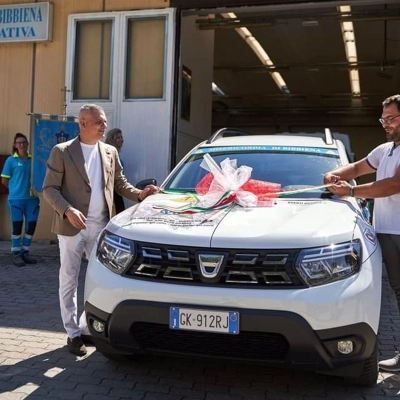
[369, 374]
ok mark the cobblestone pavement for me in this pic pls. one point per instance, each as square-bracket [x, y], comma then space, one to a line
[35, 362]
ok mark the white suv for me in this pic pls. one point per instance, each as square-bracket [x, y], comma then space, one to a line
[290, 279]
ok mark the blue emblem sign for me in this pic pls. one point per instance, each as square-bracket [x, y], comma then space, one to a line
[46, 132]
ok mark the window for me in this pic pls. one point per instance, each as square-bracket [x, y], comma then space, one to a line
[145, 58]
[92, 63]
[289, 169]
[115, 57]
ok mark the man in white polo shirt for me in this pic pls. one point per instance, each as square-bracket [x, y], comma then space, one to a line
[385, 161]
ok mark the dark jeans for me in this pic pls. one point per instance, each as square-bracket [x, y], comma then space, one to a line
[390, 245]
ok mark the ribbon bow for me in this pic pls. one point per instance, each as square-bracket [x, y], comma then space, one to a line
[227, 183]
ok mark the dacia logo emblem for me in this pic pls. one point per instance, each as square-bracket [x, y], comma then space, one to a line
[210, 264]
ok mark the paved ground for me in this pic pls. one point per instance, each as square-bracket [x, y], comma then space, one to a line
[35, 363]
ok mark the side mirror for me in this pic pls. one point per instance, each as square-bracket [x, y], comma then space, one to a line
[142, 184]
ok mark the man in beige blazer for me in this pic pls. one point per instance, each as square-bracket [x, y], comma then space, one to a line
[81, 177]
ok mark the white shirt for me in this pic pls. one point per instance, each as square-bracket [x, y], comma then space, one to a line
[386, 216]
[97, 206]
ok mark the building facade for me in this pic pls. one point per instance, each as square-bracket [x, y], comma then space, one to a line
[151, 67]
[57, 56]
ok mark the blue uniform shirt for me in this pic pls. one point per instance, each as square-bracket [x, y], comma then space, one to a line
[18, 172]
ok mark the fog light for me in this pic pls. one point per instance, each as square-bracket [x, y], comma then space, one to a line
[345, 346]
[98, 326]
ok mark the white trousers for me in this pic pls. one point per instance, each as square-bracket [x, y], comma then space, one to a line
[71, 251]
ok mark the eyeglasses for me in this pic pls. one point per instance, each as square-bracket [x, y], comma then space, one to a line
[388, 120]
[24, 142]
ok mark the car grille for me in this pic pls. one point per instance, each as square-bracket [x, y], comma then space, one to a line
[247, 345]
[243, 268]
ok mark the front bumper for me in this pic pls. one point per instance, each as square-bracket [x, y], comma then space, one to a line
[275, 338]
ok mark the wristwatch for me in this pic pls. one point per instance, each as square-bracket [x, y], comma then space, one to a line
[352, 191]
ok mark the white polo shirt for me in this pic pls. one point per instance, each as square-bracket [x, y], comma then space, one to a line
[386, 159]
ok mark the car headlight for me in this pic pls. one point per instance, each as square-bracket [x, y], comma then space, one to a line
[324, 265]
[115, 252]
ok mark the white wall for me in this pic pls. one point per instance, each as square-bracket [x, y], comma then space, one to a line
[197, 54]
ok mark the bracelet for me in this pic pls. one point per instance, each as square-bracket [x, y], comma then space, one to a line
[352, 191]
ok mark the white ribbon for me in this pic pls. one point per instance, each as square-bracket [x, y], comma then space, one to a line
[227, 178]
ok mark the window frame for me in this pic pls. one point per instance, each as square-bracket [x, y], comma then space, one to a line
[118, 51]
[74, 19]
[128, 18]
[73, 70]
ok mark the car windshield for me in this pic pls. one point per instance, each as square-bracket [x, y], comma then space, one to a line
[293, 170]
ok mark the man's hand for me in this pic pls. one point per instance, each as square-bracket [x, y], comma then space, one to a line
[147, 191]
[76, 218]
[331, 178]
[340, 188]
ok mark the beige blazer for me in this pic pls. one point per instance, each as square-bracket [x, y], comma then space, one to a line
[67, 184]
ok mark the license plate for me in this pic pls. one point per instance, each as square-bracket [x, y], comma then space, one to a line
[204, 320]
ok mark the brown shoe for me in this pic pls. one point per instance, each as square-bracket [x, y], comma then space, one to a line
[76, 346]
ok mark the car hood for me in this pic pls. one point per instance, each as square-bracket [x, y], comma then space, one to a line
[284, 223]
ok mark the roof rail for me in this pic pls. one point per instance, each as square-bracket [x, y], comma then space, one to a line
[328, 136]
[224, 132]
